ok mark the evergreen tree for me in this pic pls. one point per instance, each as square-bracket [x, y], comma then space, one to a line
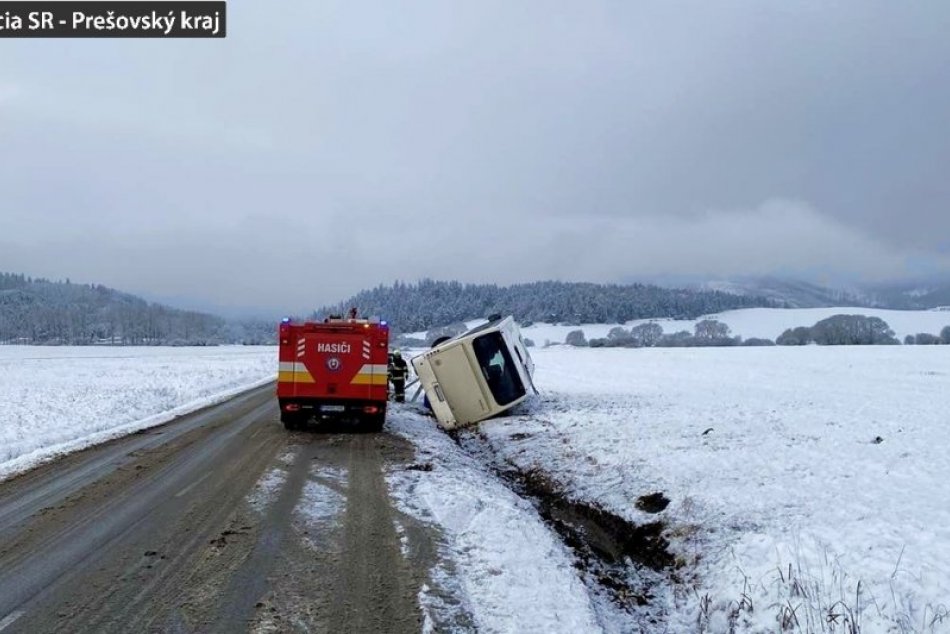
[37, 311]
[426, 304]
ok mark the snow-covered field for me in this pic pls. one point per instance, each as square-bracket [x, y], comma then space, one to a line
[766, 323]
[59, 399]
[807, 485]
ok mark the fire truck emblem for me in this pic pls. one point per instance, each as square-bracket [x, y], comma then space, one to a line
[333, 364]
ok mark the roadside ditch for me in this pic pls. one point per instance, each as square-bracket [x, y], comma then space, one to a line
[620, 558]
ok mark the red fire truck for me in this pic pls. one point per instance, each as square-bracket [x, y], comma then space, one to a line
[334, 369]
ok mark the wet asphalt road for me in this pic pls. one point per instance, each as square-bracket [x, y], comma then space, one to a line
[176, 529]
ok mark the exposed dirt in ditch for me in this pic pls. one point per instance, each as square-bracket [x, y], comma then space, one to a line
[603, 542]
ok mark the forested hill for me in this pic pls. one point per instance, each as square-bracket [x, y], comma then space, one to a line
[38, 311]
[420, 306]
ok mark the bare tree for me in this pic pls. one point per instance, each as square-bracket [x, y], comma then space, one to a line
[646, 335]
[711, 329]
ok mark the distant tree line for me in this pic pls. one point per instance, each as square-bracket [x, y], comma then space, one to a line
[39, 311]
[841, 330]
[851, 330]
[706, 333]
[427, 304]
[925, 339]
[838, 330]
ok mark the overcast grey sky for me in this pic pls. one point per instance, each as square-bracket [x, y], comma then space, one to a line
[337, 145]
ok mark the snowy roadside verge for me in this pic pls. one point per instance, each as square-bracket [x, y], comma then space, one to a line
[804, 484]
[62, 400]
[513, 572]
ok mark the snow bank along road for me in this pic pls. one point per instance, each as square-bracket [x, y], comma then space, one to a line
[57, 399]
[222, 521]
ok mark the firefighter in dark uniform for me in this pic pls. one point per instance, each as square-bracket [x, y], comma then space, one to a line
[398, 372]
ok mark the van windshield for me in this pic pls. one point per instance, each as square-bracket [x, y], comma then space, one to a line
[498, 368]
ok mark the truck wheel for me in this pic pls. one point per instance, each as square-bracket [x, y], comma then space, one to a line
[374, 423]
[290, 421]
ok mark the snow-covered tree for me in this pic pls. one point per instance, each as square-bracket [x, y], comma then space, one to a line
[646, 335]
[842, 330]
[756, 341]
[711, 329]
[799, 336]
[38, 311]
[576, 338]
[428, 303]
[681, 339]
[618, 335]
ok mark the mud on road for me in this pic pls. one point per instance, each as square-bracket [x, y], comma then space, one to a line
[219, 521]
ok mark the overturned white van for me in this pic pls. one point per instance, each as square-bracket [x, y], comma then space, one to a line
[476, 375]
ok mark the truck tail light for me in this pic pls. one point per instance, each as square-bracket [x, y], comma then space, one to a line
[284, 332]
[291, 407]
[370, 409]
